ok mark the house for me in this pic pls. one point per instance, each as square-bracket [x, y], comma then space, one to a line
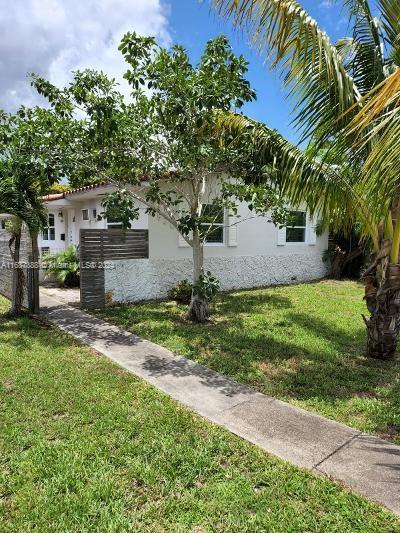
[71, 211]
[244, 252]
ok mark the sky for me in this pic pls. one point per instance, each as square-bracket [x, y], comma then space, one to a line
[54, 37]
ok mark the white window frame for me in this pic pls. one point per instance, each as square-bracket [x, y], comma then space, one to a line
[298, 227]
[217, 225]
[46, 233]
[85, 212]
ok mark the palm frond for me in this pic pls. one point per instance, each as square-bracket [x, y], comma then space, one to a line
[381, 170]
[377, 127]
[328, 191]
[363, 63]
[347, 95]
[19, 197]
[390, 10]
[313, 68]
[366, 28]
[381, 104]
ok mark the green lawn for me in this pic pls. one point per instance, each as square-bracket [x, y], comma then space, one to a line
[86, 446]
[304, 344]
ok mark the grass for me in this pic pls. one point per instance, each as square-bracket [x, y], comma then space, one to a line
[304, 344]
[86, 446]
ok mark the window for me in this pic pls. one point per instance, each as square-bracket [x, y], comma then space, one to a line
[85, 214]
[45, 250]
[296, 232]
[3, 224]
[49, 233]
[213, 216]
[94, 214]
[114, 222]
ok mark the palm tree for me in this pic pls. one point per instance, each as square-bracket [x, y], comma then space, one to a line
[35, 152]
[19, 197]
[347, 96]
[26, 172]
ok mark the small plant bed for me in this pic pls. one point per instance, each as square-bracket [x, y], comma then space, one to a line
[64, 266]
[86, 446]
[304, 344]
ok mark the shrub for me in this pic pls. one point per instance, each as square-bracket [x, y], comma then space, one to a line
[65, 266]
[182, 292]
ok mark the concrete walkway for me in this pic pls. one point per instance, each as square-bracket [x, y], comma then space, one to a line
[71, 297]
[364, 463]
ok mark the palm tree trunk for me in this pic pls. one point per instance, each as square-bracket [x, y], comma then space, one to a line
[34, 303]
[18, 281]
[382, 295]
[382, 292]
[198, 309]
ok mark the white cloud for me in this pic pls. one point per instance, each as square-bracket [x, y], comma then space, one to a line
[54, 37]
[326, 4]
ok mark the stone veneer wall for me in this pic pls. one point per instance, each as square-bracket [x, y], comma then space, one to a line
[146, 279]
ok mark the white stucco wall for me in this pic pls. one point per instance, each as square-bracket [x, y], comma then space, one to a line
[59, 222]
[71, 221]
[257, 260]
[93, 223]
[255, 236]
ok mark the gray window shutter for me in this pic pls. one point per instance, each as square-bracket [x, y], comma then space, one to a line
[281, 236]
[232, 229]
[311, 233]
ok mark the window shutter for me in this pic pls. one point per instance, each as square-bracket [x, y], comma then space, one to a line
[281, 236]
[181, 242]
[232, 229]
[312, 235]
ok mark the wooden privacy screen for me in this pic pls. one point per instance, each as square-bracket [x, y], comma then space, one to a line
[98, 246]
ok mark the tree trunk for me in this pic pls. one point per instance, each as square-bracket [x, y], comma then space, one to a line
[341, 259]
[338, 263]
[198, 309]
[18, 280]
[382, 295]
[34, 301]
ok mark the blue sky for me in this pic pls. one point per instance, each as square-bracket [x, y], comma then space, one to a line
[55, 37]
[192, 24]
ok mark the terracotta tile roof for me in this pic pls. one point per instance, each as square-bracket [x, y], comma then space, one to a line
[61, 195]
[55, 196]
[87, 188]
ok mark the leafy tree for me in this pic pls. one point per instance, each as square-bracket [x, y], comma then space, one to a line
[59, 188]
[162, 147]
[32, 157]
[346, 95]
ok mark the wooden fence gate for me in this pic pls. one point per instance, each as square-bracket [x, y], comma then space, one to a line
[99, 249]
